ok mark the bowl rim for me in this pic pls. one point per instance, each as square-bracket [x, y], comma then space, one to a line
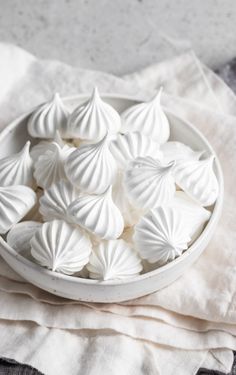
[132, 280]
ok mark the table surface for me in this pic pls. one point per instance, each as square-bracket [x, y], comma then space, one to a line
[123, 35]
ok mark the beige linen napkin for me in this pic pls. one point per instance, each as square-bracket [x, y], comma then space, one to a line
[178, 326]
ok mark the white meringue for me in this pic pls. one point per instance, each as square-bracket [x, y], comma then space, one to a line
[147, 118]
[197, 178]
[48, 118]
[129, 146]
[15, 202]
[20, 235]
[179, 151]
[160, 236]
[113, 260]
[56, 199]
[17, 169]
[50, 167]
[60, 247]
[43, 146]
[149, 182]
[194, 215]
[98, 214]
[93, 120]
[92, 167]
[130, 213]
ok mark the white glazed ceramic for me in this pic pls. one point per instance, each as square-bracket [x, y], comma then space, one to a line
[12, 140]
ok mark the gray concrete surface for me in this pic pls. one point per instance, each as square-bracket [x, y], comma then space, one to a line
[120, 36]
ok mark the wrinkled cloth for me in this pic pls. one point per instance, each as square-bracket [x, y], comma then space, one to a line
[185, 326]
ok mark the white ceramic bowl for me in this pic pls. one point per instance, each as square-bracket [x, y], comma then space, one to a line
[11, 141]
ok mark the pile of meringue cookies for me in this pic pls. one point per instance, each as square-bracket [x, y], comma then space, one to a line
[101, 195]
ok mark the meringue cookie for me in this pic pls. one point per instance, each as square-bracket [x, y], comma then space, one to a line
[93, 120]
[56, 199]
[194, 215]
[160, 236]
[147, 118]
[20, 235]
[43, 146]
[149, 182]
[130, 213]
[15, 202]
[50, 167]
[48, 118]
[197, 179]
[179, 151]
[60, 247]
[98, 214]
[129, 146]
[113, 260]
[17, 169]
[92, 167]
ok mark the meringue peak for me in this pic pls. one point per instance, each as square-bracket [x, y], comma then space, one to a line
[161, 236]
[26, 148]
[67, 253]
[197, 179]
[166, 168]
[112, 260]
[92, 167]
[91, 120]
[47, 118]
[209, 160]
[95, 94]
[56, 97]
[149, 182]
[156, 100]
[17, 169]
[148, 118]
[98, 214]
[131, 145]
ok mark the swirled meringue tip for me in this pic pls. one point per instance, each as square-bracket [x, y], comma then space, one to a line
[156, 100]
[15, 202]
[197, 179]
[91, 120]
[48, 118]
[92, 168]
[149, 182]
[98, 214]
[161, 236]
[126, 147]
[147, 118]
[50, 166]
[43, 146]
[17, 169]
[56, 200]
[112, 260]
[60, 247]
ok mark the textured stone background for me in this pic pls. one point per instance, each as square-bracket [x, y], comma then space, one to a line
[120, 36]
